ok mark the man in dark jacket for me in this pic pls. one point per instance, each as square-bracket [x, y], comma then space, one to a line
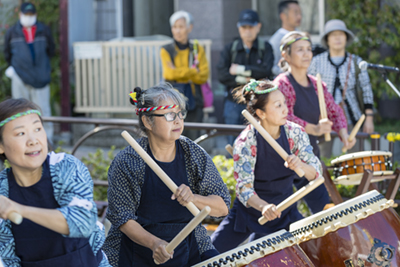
[245, 58]
[28, 47]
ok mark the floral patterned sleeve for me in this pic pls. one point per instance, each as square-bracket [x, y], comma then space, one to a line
[300, 146]
[290, 95]
[244, 161]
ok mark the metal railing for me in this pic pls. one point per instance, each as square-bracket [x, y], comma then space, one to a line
[105, 72]
[212, 129]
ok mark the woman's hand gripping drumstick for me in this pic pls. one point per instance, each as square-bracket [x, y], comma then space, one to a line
[302, 191]
[199, 216]
[299, 194]
[354, 131]
[322, 106]
[272, 210]
[270, 140]
[160, 173]
[7, 210]
[186, 231]
[15, 217]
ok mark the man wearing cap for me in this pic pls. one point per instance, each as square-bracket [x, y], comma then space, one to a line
[28, 47]
[244, 59]
[350, 86]
[290, 15]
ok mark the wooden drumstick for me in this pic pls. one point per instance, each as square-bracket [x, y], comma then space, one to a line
[354, 131]
[15, 217]
[229, 148]
[299, 194]
[322, 106]
[269, 139]
[187, 230]
[160, 173]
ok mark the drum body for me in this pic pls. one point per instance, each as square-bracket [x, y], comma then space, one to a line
[349, 168]
[278, 249]
[363, 231]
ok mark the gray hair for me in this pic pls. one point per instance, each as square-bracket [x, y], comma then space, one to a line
[179, 15]
[153, 97]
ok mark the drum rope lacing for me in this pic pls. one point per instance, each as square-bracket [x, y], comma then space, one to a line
[269, 242]
[337, 171]
[337, 214]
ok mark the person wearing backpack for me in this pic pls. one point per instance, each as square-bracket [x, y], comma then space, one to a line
[185, 67]
[245, 58]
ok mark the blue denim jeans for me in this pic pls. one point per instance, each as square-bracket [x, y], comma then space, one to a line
[233, 115]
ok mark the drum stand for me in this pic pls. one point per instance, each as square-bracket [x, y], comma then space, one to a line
[330, 186]
[365, 184]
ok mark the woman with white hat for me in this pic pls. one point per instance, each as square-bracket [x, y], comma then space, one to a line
[350, 86]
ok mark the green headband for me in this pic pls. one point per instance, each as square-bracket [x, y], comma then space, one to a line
[16, 116]
[252, 86]
[293, 41]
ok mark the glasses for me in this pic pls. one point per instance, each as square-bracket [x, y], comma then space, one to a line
[171, 116]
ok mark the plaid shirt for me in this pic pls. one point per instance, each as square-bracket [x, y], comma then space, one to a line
[321, 64]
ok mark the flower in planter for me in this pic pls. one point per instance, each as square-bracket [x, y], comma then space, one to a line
[393, 137]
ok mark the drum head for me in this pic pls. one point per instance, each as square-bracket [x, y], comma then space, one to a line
[254, 250]
[362, 154]
[355, 179]
[340, 216]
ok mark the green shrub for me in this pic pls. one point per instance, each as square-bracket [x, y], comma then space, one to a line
[98, 165]
[225, 169]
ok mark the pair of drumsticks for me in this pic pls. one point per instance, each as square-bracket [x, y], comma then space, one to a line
[324, 116]
[199, 216]
[299, 193]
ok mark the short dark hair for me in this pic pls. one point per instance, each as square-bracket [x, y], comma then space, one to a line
[11, 107]
[284, 5]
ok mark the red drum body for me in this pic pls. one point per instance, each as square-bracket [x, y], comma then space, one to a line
[275, 250]
[363, 231]
[349, 168]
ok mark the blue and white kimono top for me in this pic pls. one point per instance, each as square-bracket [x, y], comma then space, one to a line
[73, 191]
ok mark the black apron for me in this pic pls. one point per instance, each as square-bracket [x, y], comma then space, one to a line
[162, 217]
[38, 246]
[306, 107]
[273, 183]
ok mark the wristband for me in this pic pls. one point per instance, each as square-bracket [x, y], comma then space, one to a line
[369, 114]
